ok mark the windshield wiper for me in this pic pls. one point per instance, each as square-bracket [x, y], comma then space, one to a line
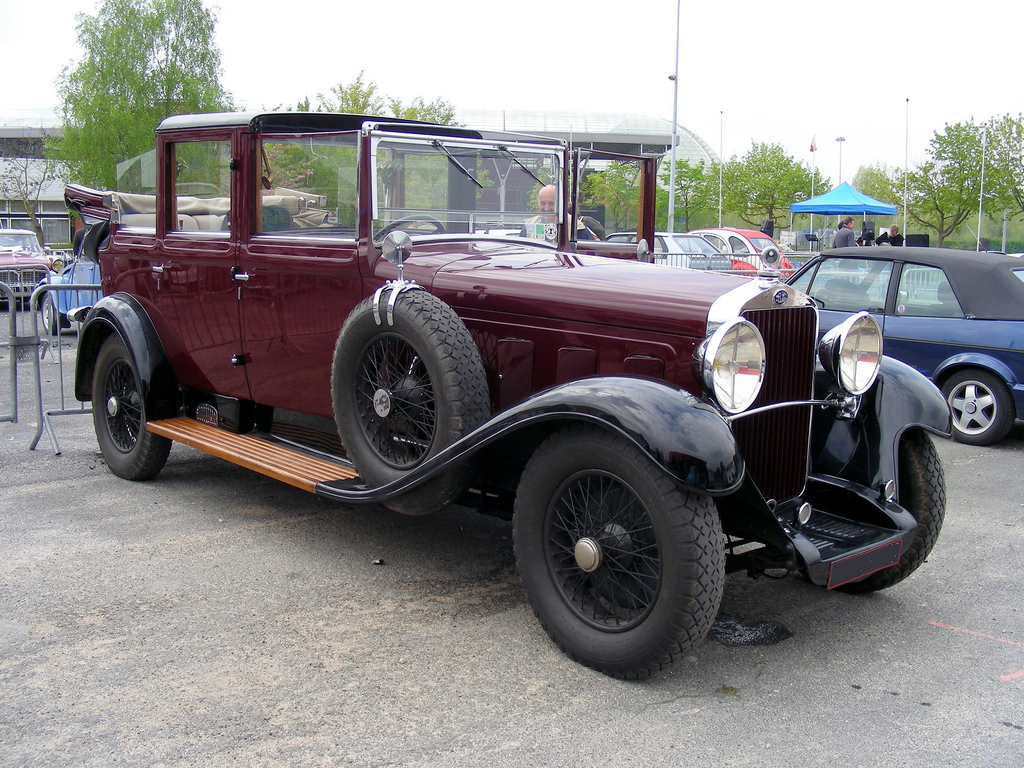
[519, 162]
[455, 161]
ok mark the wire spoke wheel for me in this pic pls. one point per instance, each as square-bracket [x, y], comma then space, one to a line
[122, 406]
[403, 391]
[603, 551]
[623, 567]
[119, 416]
[396, 402]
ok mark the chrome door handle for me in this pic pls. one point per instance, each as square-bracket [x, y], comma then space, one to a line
[158, 268]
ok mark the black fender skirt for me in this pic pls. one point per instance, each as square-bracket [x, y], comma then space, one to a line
[684, 436]
[865, 449]
[122, 314]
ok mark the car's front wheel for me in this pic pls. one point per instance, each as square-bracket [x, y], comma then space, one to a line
[981, 405]
[922, 492]
[623, 568]
[119, 415]
[50, 319]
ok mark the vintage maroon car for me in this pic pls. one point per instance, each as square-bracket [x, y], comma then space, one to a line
[377, 311]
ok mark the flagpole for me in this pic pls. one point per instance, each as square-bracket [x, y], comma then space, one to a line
[814, 148]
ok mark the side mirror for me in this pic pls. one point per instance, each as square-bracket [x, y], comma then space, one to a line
[643, 251]
[396, 248]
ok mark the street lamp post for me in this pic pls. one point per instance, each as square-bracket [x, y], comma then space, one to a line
[840, 139]
[674, 77]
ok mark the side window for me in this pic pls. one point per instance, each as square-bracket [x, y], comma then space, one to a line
[737, 246]
[308, 186]
[202, 186]
[659, 245]
[925, 292]
[851, 285]
[803, 282]
[718, 242]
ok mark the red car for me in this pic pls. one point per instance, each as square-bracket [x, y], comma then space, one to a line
[23, 263]
[319, 297]
[746, 247]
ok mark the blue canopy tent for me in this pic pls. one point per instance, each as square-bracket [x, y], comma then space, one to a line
[844, 200]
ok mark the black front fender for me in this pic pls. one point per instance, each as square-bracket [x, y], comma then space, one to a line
[865, 449]
[121, 314]
[684, 436]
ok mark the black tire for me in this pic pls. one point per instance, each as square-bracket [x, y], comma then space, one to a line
[119, 415]
[981, 405]
[923, 494]
[428, 379]
[653, 586]
[49, 317]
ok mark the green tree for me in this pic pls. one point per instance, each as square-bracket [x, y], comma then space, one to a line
[696, 193]
[361, 97]
[143, 61]
[1006, 150]
[945, 189]
[616, 189]
[765, 182]
[881, 182]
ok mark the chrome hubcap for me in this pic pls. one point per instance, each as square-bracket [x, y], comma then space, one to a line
[112, 406]
[588, 555]
[382, 403]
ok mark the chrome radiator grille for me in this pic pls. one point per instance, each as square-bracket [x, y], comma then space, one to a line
[774, 444]
[22, 279]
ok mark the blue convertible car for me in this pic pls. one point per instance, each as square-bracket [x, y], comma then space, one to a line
[956, 316]
[55, 305]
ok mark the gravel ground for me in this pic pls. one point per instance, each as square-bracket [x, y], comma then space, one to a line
[213, 617]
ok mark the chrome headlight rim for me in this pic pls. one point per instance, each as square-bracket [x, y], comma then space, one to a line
[844, 350]
[726, 337]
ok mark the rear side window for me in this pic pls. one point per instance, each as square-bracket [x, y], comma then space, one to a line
[1019, 274]
[202, 186]
[738, 246]
[718, 242]
[925, 292]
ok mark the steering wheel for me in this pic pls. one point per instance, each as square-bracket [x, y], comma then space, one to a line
[421, 219]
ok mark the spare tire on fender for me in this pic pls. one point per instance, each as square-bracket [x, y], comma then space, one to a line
[402, 392]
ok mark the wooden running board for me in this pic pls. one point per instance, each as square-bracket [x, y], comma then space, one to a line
[270, 459]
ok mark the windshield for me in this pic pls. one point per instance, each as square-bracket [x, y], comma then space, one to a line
[763, 242]
[21, 241]
[439, 186]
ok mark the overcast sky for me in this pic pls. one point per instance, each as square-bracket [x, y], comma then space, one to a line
[748, 71]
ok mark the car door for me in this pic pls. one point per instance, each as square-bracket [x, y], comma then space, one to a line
[299, 275]
[927, 324]
[193, 266]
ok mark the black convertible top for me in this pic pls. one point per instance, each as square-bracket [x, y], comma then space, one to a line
[985, 283]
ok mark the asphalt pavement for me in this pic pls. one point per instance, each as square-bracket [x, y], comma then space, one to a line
[214, 617]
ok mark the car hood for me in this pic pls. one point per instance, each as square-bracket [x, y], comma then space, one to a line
[17, 258]
[509, 278]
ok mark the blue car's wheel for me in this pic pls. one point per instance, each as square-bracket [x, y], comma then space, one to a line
[50, 319]
[981, 405]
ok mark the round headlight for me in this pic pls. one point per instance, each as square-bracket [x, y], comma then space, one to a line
[732, 365]
[852, 353]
